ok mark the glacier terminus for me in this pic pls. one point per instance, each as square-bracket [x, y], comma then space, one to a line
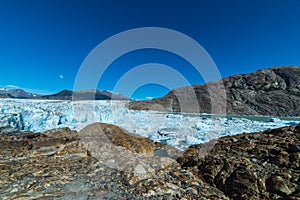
[176, 129]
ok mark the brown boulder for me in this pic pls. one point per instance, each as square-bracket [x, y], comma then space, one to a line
[107, 133]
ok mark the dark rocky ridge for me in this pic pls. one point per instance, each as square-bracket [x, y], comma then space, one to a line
[57, 165]
[274, 91]
[85, 95]
[64, 95]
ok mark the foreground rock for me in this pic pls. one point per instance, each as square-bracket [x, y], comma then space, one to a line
[274, 91]
[62, 164]
[57, 165]
[251, 166]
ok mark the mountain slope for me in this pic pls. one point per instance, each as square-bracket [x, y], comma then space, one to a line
[85, 95]
[274, 91]
[63, 95]
[17, 94]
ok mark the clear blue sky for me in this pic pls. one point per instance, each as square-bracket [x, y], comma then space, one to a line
[44, 42]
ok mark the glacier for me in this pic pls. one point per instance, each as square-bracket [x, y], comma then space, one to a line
[176, 129]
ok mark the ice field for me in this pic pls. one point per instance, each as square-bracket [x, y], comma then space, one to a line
[179, 130]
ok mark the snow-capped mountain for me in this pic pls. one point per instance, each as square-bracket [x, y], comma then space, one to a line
[63, 95]
[17, 94]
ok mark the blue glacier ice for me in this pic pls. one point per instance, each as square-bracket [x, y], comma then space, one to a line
[179, 130]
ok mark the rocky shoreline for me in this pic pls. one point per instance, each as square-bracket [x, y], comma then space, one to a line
[62, 164]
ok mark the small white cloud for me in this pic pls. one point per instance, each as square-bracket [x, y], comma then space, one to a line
[149, 98]
[12, 86]
[61, 76]
[31, 90]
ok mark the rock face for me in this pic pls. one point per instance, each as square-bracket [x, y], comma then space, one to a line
[251, 166]
[274, 91]
[59, 165]
[120, 137]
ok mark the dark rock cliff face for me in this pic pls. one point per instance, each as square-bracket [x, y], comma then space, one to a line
[58, 165]
[274, 91]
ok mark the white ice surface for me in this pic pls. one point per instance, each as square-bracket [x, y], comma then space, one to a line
[175, 129]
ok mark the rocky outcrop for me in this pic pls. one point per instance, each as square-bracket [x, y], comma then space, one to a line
[274, 91]
[251, 166]
[59, 164]
[119, 137]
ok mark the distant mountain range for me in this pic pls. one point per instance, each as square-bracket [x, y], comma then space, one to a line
[274, 91]
[17, 94]
[85, 95]
[63, 95]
